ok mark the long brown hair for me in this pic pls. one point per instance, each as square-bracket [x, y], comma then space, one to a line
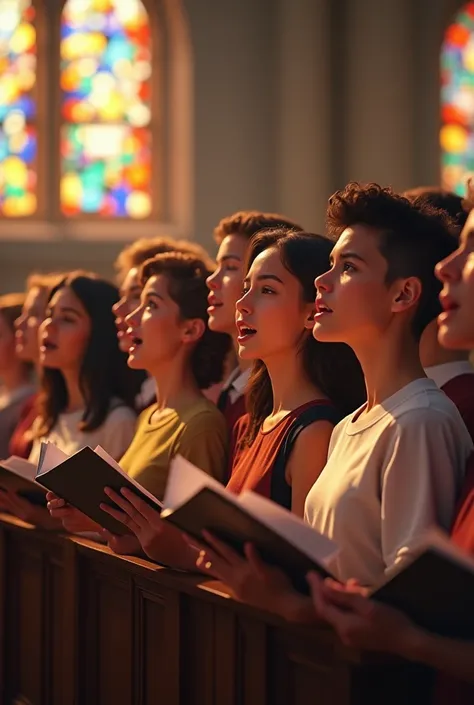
[104, 374]
[332, 367]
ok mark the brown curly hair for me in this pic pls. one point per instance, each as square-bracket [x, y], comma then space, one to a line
[412, 238]
[186, 276]
[141, 250]
[455, 206]
[249, 223]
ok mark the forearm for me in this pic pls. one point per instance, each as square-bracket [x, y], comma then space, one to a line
[452, 656]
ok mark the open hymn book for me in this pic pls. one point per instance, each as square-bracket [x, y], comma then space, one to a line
[80, 479]
[194, 501]
[435, 587]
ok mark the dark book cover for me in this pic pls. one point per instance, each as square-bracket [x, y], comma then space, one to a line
[235, 526]
[437, 591]
[80, 480]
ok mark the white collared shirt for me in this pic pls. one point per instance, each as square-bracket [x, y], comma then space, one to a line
[442, 374]
[238, 381]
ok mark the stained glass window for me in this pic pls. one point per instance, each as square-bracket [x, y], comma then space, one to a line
[457, 102]
[18, 137]
[106, 156]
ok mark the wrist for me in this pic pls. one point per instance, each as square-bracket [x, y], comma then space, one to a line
[413, 644]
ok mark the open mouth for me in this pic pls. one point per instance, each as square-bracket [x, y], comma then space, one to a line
[213, 303]
[321, 308]
[48, 346]
[135, 343]
[245, 332]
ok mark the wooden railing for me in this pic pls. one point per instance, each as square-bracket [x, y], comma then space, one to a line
[81, 626]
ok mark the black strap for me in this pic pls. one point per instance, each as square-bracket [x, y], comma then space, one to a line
[280, 491]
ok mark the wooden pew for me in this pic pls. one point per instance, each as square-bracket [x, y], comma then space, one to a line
[82, 626]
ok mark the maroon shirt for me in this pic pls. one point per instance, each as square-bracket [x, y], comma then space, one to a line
[253, 465]
[20, 442]
[460, 390]
[451, 691]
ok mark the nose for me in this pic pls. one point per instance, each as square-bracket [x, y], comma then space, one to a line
[118, 307]
[134, 318]
[20, 322]
[244, 304]
[450, 268]
[322, 282]
[213, 280]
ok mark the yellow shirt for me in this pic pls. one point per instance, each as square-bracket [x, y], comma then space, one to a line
[199, 434]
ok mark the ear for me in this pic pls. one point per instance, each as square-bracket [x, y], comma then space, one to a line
[193, 330]
[309, 320]
[406, 294]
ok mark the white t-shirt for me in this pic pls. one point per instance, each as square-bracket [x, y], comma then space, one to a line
[114, 435]
[391, 473]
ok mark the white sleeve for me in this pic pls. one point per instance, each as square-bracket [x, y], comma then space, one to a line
[118, 431]
[422, 473]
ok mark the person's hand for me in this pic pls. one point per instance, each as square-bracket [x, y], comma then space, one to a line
[253, 581]
[26, 511]
[359, 621]
[72, 519]
[127, 545]
[160, 541]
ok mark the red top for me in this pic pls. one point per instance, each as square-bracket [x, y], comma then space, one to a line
[253, 465]
[451, 691]
[460, 390]
[20, 444]
[233, 411]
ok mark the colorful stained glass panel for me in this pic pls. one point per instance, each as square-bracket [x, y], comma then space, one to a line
[457, 102]
[105, 62]
[106, 109]
[106, 171]
[18, 138]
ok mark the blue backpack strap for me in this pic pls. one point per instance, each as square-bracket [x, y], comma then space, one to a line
[280, 490]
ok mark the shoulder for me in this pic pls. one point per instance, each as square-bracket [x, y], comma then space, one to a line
[203, 417]
[121, 414]
[432, 410]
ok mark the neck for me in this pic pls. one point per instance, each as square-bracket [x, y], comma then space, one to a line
[176, 384]
[75, 398]
[14, 377]
[290, 385]
[389, 364]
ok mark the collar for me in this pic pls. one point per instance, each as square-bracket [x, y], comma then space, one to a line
[442, 374]
[237, 379]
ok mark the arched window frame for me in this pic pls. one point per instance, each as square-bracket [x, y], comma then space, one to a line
[171, 124]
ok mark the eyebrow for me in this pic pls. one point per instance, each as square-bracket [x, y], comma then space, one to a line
[348, 255]
[131, 290]
[66, 309]
[229, 256]
[153, 294]
[265, 277]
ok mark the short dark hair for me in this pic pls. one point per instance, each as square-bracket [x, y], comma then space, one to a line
[139, 251]
[186, 276]
[333, 367]
[455, 206]
[104, 373]
[249, 223]
[413, 238]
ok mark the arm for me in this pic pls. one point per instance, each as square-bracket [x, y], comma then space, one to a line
[418, 484]
[308, 458]
[366, 624]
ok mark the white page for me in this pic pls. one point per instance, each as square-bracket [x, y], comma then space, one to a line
[50, 457]
[113, 463]
[286, 524]
[19, 466]
[184, 481]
